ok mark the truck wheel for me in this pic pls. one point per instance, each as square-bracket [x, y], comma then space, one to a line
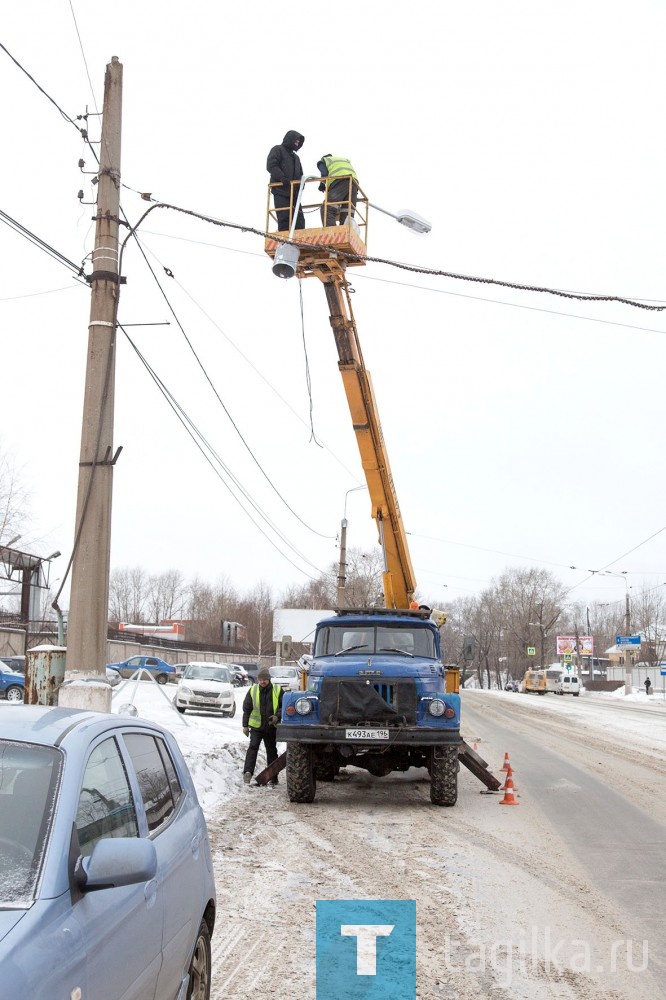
[444, 776]
[326, 770]
[301, 781]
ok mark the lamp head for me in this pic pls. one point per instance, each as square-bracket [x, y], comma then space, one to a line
[286, 261]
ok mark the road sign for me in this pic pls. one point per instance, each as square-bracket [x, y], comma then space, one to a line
[627, 640]
[663, 671]
[567, 657]
[531, 651]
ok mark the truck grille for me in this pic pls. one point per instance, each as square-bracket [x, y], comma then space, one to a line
[352, 700]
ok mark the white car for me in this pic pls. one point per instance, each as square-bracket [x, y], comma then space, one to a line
[285, 677]
[206, 687]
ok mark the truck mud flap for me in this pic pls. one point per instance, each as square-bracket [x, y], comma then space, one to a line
[475, 763]
[272, 770]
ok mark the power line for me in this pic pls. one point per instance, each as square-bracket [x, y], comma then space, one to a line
[519, 286]
[64, 114]
[221, 402]
[194, 433]
[41, 244]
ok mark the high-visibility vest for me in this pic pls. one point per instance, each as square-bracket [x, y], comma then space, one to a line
[255, 714]
[337, 166]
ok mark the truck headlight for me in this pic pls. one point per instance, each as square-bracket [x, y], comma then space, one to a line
[437, 708]
[303, 706]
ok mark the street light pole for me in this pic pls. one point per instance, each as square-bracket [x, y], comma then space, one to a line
[342, 565]
[628, 664]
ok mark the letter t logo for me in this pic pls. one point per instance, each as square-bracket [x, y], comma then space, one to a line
[366, 944]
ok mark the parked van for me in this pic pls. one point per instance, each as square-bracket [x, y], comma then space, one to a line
[569, 684]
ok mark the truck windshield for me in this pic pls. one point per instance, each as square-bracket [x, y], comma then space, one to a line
[346, 639]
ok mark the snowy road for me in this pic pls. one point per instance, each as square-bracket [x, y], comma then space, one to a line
[551, 899]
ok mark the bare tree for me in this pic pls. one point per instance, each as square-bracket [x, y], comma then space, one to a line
[129, 590]
[167, 595]
[14, 500]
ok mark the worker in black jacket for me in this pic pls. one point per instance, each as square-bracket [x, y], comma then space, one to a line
[262, 710]
[285, 169]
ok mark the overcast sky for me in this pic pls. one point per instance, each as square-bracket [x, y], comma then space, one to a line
[523, 429]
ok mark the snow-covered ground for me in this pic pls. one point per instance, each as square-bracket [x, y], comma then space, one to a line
[215, 748]
[496, 889]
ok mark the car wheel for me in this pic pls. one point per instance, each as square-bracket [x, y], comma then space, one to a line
[14, 693]
[161, 678]
[180, 709]
[200, 966]
[231, 714]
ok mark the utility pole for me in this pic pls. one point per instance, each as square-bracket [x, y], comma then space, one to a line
[342, 566]
[88, 611]
[628, 664]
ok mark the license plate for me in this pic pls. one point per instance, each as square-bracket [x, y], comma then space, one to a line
[205, 701]
[366, 734]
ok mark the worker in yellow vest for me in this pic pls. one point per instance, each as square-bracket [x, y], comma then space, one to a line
[262, 710]
[341, 187]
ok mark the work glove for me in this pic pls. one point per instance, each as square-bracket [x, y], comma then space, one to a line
[274, 719]
[246, 730]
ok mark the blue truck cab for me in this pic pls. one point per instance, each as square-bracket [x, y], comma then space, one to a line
[375, 697]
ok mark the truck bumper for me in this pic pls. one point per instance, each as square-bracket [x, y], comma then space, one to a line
[422, 736]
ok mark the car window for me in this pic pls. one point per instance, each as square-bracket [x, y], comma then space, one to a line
[28, 779]
[106, 807]
[135, 661]
[154, 780]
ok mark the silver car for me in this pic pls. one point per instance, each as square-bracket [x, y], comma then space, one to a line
[106, 876]
[206, 687]
[286, 677]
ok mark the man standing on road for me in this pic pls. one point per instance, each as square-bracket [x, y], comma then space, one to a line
[262, 709]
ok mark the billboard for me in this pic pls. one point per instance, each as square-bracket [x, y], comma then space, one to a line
[567, 644]
[299, 623]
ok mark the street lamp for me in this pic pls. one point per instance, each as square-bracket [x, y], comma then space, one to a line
[411, 220]
[628, 663]
[342, 566]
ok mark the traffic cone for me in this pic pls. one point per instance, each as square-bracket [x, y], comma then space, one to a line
[509, 777]
[509, 799]
[505, 766]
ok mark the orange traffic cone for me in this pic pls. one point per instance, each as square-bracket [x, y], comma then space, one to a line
[505, 765]
[509, 777]
[509, 799]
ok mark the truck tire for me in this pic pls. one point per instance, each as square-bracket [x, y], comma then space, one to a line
[301, 781]
[444, 776]
[326, 770]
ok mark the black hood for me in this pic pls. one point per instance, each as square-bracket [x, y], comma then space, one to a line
[289, 138]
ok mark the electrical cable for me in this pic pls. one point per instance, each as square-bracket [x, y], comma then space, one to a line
[42, 244]
[221, 402]
[194, 433]
[48, 96]
[308, 381]
[303, 244]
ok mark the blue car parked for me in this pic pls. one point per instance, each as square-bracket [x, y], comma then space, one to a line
[12, 685]
[160, 669]
[106, 878]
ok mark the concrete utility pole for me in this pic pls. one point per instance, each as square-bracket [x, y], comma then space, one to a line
[88, 611]
[628, 663]
[342, 566]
